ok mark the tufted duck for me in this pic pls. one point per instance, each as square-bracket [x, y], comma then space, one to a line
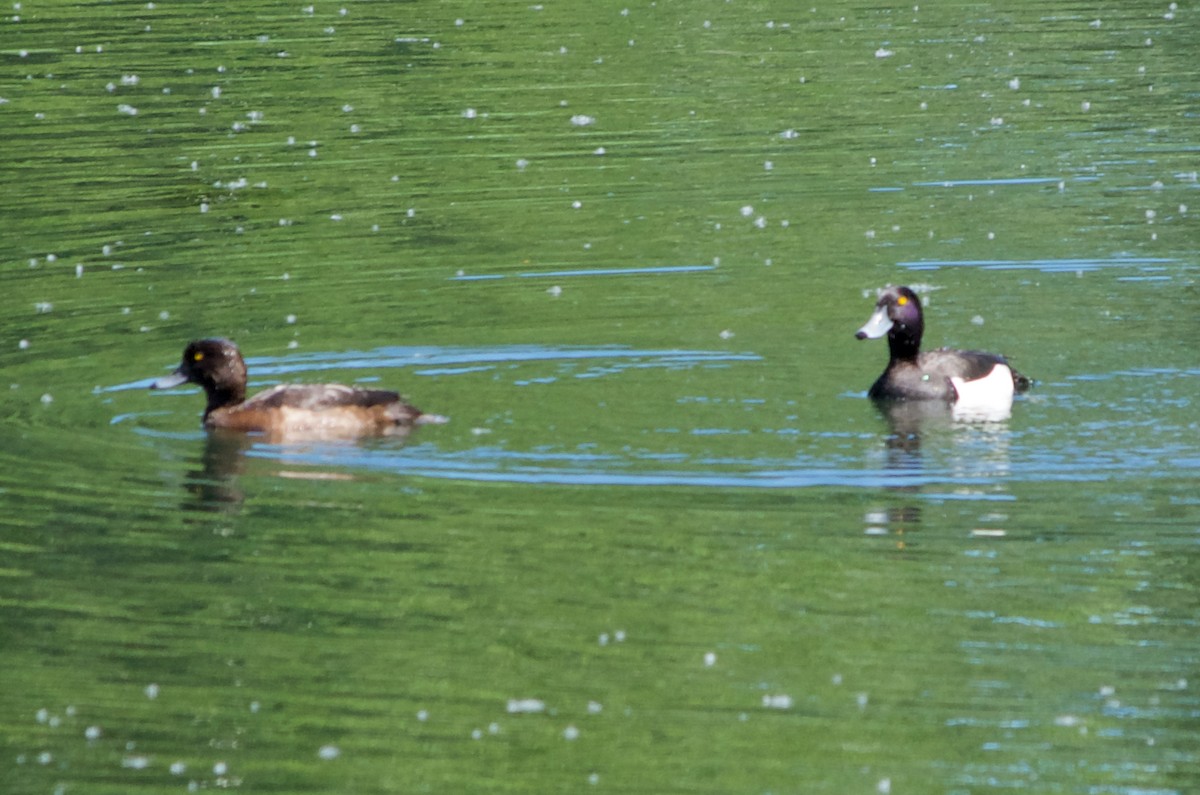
[312, 411]
[964, 378]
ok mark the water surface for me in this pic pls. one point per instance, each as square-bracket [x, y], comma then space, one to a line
[665, 543]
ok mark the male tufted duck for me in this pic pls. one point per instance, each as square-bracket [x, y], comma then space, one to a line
[288, 410]
[964, 378]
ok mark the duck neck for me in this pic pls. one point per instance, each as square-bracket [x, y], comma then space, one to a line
[904, 342]
[220, 397]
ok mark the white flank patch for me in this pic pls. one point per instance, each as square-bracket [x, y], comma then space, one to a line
[985, 399]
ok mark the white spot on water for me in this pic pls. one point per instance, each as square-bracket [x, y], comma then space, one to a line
[883, 52]
[151, 691]
[328, 752]
[520, 706]
[780, 701]
[92, 733]
[583, 120]
[710, 659]
[570, 733]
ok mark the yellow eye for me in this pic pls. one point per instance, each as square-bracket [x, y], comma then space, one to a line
[197, 356]
[902, 300]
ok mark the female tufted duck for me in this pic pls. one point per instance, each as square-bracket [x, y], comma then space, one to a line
[312, 411]
[964, 378]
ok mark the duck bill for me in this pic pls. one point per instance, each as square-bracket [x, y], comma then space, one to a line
[166, 382]
[877, 326]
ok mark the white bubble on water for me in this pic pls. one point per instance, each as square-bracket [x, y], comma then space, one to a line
[518, 706]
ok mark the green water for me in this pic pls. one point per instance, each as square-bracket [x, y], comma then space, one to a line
[664, 544]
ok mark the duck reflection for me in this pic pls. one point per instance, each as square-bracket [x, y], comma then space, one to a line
[970, 445]
[213, 485]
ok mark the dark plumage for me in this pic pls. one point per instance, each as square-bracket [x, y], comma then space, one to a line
[287, 410]
[943, 374]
